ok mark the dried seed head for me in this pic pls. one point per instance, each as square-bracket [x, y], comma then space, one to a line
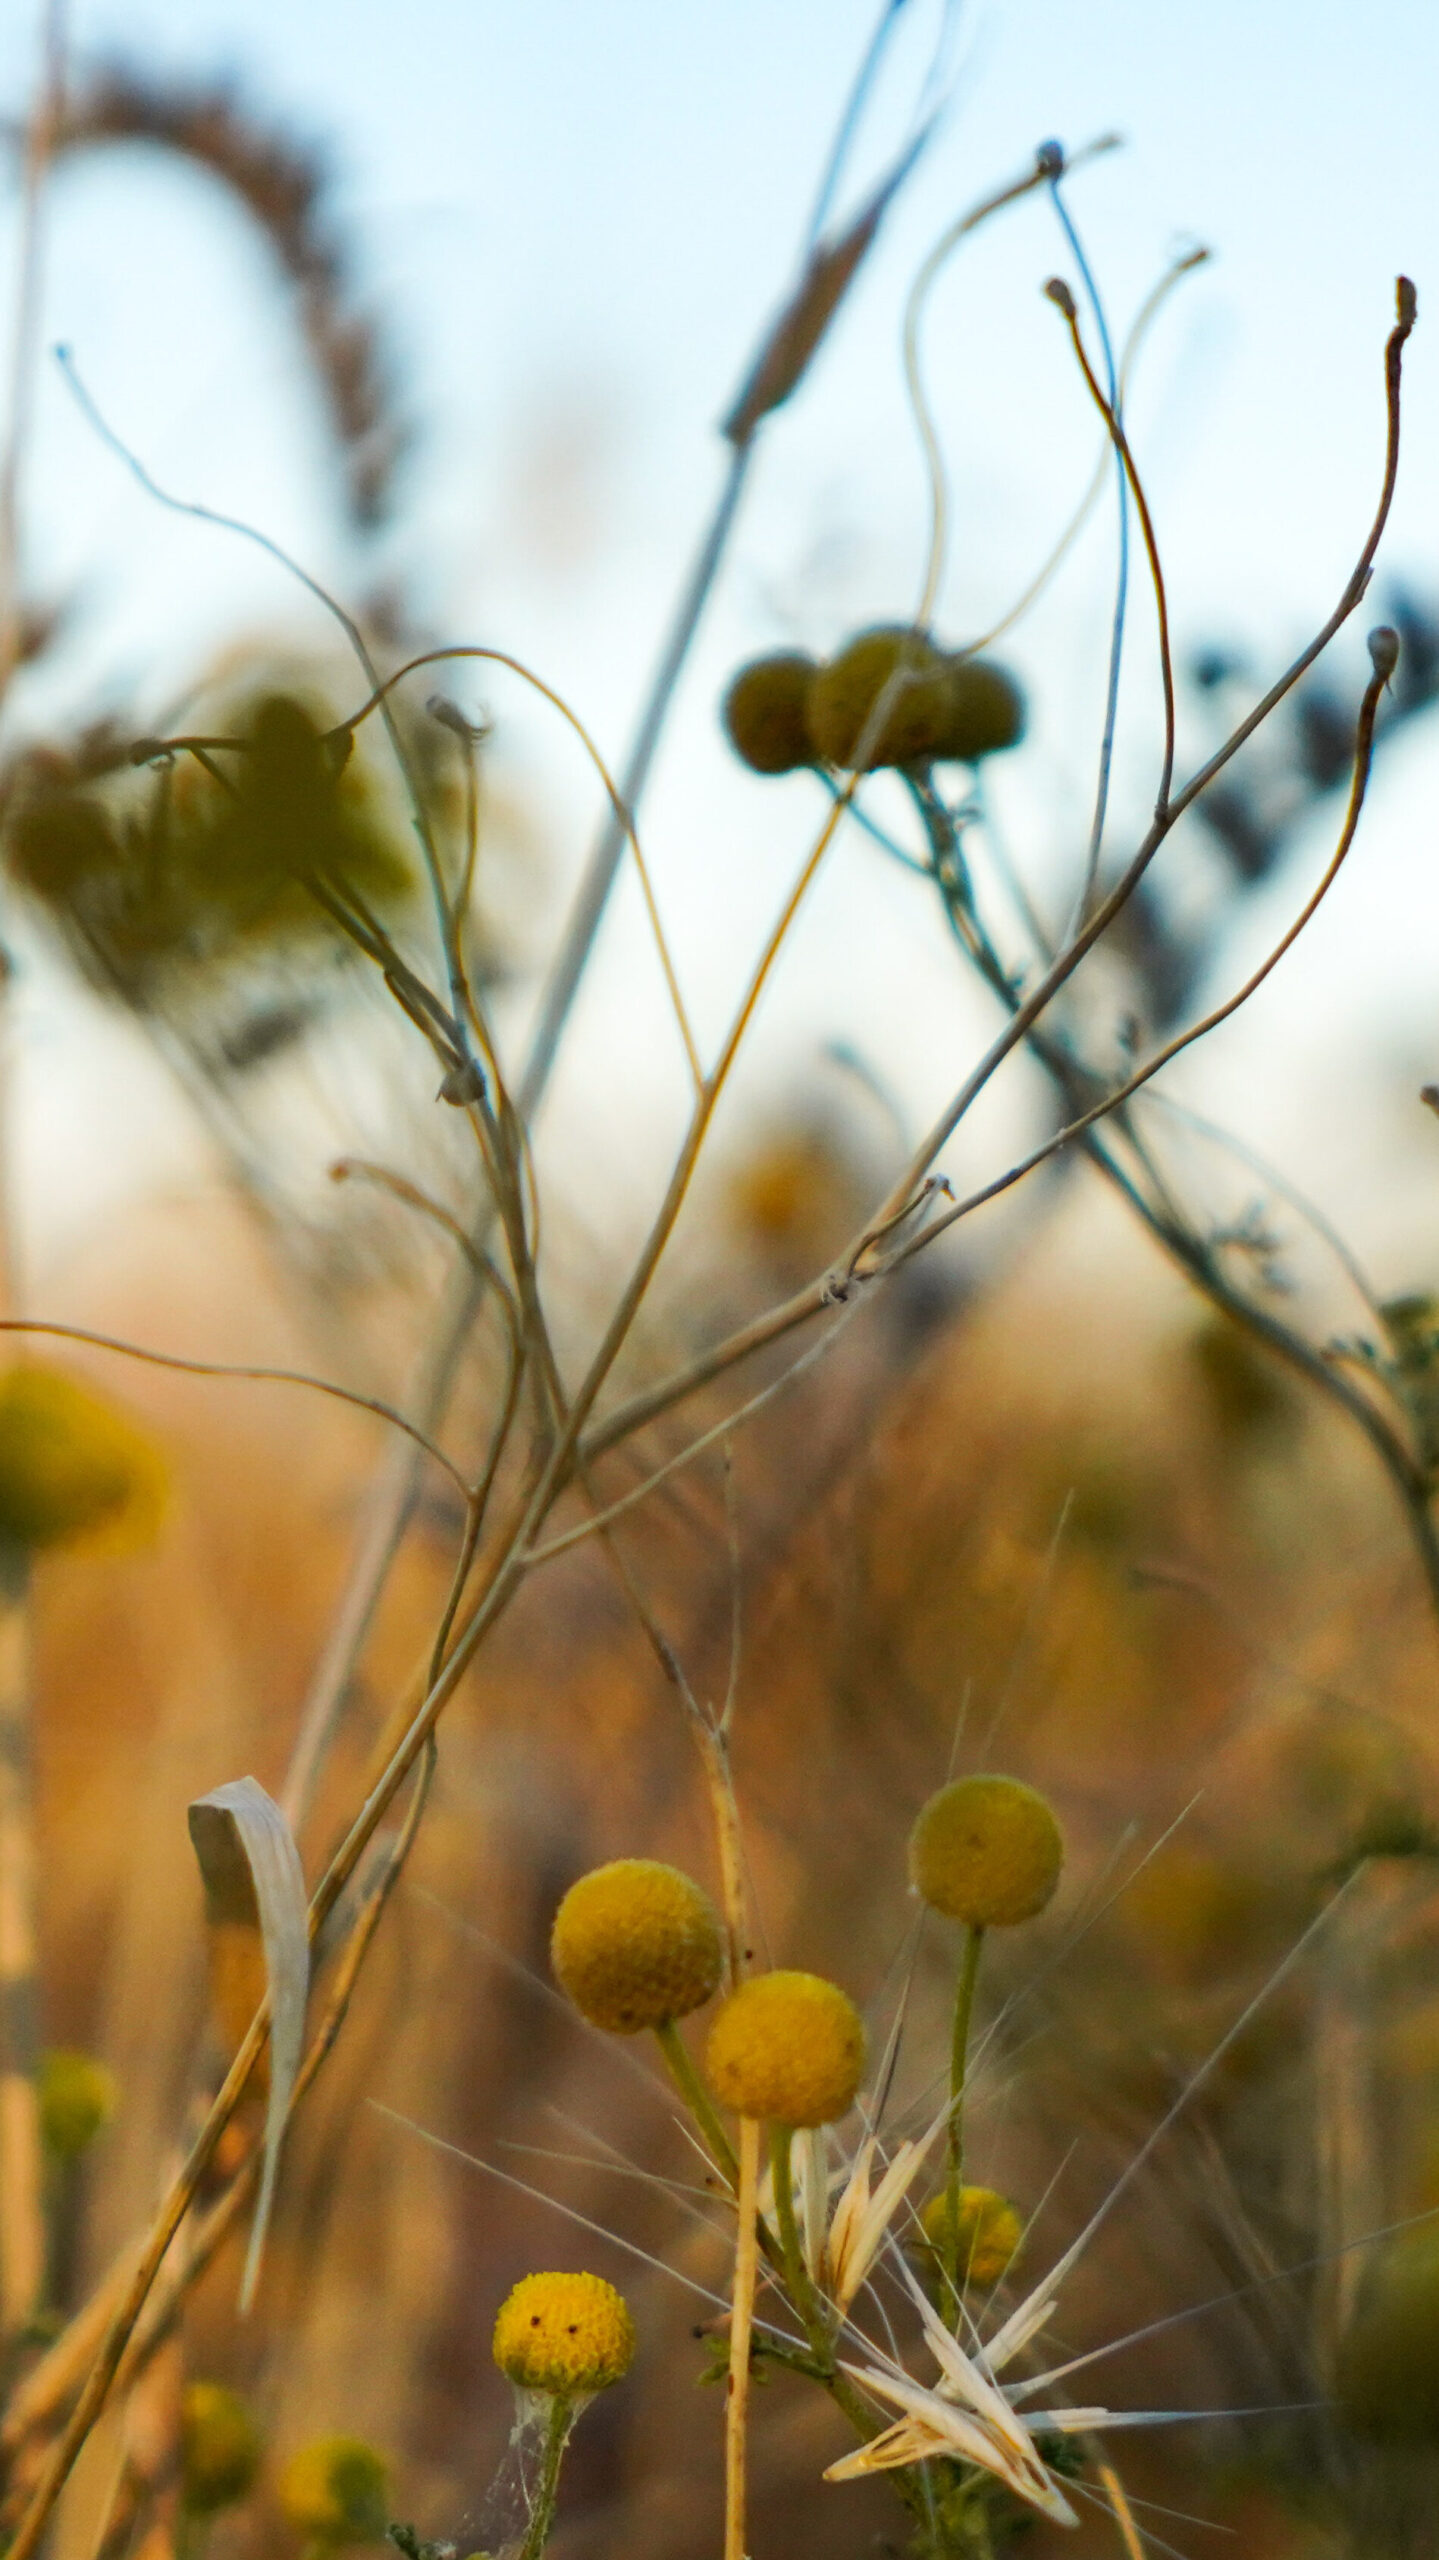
[635, 1943]
[220, 2448]
[78, 2096]
[161, 881]
[764, 712]
[336, 2491]
[788, 2047]
[987, 2234]
[986, 712]
[565, 2335]
[986, 1851]
[892, 661]
[71, 1467]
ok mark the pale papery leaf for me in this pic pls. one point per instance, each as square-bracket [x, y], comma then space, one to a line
[1008, 2457]
[251, 1871]
[811, 2159]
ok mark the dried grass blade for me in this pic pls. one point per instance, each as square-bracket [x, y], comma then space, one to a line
[252, 1873]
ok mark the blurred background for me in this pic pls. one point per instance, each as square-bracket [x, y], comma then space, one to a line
[1046, 1497]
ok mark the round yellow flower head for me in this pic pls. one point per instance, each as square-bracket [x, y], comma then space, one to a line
[788, 2047]
[764, 712]
[988, 2233]
[220, 2448]
[987, 1851]
[635, 1943]
[336, 2491]
[71, 1467]
[78, 2096]
[564, 2335]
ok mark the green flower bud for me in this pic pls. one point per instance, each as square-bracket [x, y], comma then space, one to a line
[78, 2096]
[336, 2491]
[220, 2448]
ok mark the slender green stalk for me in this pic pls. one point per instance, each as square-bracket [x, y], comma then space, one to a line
[958, 2073]
[542, 2514]
[698, 2100]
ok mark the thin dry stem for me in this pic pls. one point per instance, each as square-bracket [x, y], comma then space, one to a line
[237, 1369]
[1040, 175]
[22, 2220]
[746, 2268]
[629, 836]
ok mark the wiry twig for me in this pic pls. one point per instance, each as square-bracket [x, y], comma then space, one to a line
[240, 1369]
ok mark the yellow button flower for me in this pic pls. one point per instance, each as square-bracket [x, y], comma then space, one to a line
[564, 2335]
[988, 2232]
[787, 2047]
[987, 1851]
[636, 1943]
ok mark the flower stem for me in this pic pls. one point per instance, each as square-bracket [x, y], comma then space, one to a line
[542, 2513]
[741, 2327]
[692, 2089]
[697, 2098]
[796, 2274]
[958, 2070]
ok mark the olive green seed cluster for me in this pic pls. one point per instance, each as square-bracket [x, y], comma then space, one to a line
[986, 1851]
[787, 2047]
[636, 1943]
[1386, 2380]
[891, 696]
[567, 2335]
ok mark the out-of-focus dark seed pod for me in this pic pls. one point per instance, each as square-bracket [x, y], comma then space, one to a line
[890, 661]
[764, 712]
[1387, 2370]
[986, 712]
[220, 2448]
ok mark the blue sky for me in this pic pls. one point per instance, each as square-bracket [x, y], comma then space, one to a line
[571, 218]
